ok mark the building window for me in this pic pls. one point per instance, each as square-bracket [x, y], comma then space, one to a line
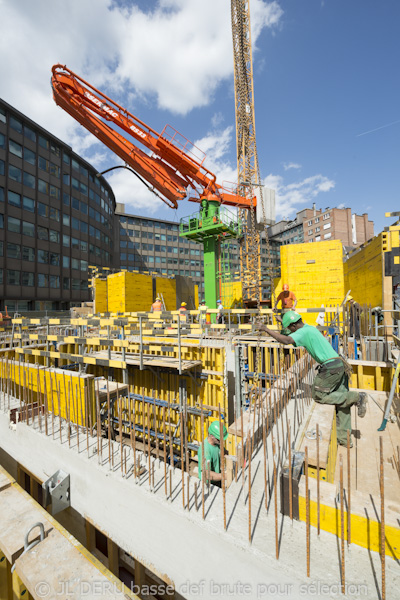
[54, 214]
[16, 124]
[54, 281]
[28, 279]
[29, 133]
[65, 281]
[28, 204]
[327, 226]
[318, 238]
[326, 216]
[15, 148]
[14, 199]
[29, 156]
[66, 240]
[13, 250]
[3, 116]
[309, 223]
[317, 229]
[43, 186]
[15, 173]
[43, 233]
[28, 229]
[54, 236]
[29, 180]
[44, 143]
[317, 220]
[66, 220]
[327, 236]
[14, 225]
[13, 277]
[28, 253]
[43, 280]
[43, 257]
[310, 232]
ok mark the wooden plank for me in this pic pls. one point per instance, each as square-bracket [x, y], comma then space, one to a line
[17, 517]
[57, 562]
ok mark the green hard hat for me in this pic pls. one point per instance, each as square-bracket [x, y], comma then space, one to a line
[214, 430]
[290, 317]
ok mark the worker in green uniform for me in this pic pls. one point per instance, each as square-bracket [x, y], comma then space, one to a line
[212, 453]
[331, 385]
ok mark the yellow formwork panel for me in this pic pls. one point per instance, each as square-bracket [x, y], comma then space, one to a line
[231, 294]
[364, 273]
[314, 272]
[64, 393]
[100, 295]
[129, 292]
[167, 288]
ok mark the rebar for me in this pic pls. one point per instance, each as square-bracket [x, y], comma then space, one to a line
[342, 563]
[382, 527]
[307, 511]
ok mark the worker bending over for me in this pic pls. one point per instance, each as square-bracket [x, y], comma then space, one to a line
[212, 453]
[331, 385]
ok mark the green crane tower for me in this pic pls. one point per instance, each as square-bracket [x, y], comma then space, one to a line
[209, 226]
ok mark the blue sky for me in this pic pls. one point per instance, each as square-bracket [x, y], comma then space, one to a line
[326, 88]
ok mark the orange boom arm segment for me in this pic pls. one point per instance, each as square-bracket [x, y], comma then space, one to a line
[169, 162]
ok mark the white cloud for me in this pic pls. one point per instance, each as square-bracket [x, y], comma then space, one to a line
[174, 55]
[171, 56]
[292, 197]
[342, 205]
[291, 165]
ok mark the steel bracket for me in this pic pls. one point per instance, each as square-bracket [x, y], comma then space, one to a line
[57, 492]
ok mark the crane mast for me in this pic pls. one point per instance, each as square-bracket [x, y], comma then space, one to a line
[247, 160]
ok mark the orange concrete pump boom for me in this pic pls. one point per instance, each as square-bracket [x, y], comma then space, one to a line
[170, 163]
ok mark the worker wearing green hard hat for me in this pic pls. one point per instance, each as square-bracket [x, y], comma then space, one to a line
[331, 384]
[212, 453]
[290, 317]
[215, 431]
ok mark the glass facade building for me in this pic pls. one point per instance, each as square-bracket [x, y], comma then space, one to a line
[56, 218]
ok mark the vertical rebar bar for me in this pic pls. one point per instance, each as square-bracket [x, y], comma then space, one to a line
[382, 528]
[222, 460]
[290, 475]
[318, 485]
[343, 582]
[165, 450]
[275, 502]
[202, 461]
[307, 511]
[249, 476]
[348, 491]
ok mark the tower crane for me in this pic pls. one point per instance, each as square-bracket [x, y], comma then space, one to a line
[249, 180]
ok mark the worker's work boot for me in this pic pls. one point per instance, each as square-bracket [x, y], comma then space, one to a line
[362, 404]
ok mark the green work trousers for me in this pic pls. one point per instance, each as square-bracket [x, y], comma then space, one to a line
[331, 386]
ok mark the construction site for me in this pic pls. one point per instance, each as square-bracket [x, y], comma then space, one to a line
[107, 485]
